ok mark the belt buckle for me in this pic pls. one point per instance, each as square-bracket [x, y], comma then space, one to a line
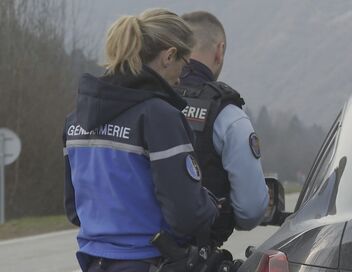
[103, 263]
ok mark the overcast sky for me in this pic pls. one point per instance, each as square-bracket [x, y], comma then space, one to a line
[94, 17]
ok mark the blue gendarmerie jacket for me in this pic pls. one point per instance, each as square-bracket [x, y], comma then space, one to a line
[129, 175]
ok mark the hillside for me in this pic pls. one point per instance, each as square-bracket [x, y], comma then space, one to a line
[292, 56]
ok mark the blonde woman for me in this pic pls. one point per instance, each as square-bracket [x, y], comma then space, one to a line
[130, 169]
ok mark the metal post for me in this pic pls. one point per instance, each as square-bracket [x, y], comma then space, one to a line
[2, 179]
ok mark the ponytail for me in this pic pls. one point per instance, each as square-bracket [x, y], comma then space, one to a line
[134, 40]
[123, 46]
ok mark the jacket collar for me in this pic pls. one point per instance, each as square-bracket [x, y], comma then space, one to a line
[196, 73]
[100, 100]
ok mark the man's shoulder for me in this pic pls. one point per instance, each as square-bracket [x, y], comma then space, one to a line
[225, 92]
[234, 112]
[221, 86]
[230, 114]
[212, 90]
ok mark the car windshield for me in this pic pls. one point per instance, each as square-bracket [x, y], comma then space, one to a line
[321, 166]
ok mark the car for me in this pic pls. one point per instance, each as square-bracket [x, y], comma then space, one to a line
[317, 236]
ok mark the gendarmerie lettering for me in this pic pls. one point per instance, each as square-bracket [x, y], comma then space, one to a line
[106, 130]
[195, 112]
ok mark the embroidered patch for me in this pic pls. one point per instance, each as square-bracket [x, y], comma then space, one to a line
[193, 168]
[254, 144]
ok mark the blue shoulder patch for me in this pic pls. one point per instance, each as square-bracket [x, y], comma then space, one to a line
[254, 144]
[193, 168]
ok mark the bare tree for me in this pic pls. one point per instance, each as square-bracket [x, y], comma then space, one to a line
[37, 80]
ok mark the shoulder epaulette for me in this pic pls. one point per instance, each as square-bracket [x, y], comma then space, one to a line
[226, 92]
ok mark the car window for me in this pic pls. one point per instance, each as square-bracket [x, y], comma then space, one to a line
[319, 205]
[318, 172]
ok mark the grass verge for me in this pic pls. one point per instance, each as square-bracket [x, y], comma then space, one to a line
[33, 225]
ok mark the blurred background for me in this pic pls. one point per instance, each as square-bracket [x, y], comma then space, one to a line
[289, 60]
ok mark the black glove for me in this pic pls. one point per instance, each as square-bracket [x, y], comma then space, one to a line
[224, 224]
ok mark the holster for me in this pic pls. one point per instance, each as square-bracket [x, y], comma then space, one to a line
[188, 259]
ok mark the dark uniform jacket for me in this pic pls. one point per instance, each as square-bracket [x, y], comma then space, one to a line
[129, 167]
[207, 98]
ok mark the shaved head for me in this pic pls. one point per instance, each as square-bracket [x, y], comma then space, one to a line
[207, 29]
[210, 40]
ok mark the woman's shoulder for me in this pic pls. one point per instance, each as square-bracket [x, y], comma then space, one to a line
[158, 106]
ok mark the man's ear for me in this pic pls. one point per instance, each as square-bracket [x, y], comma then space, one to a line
[220, 53]
[168, 56]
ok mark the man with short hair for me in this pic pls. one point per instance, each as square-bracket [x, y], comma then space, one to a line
[226, 144]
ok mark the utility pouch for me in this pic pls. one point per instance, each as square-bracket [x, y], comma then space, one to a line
[189, 259]
[177, 258]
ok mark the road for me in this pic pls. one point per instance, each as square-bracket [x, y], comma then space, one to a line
[55, 252]
[52, 252]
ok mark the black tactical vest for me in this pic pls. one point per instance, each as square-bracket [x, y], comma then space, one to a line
[204, 104]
